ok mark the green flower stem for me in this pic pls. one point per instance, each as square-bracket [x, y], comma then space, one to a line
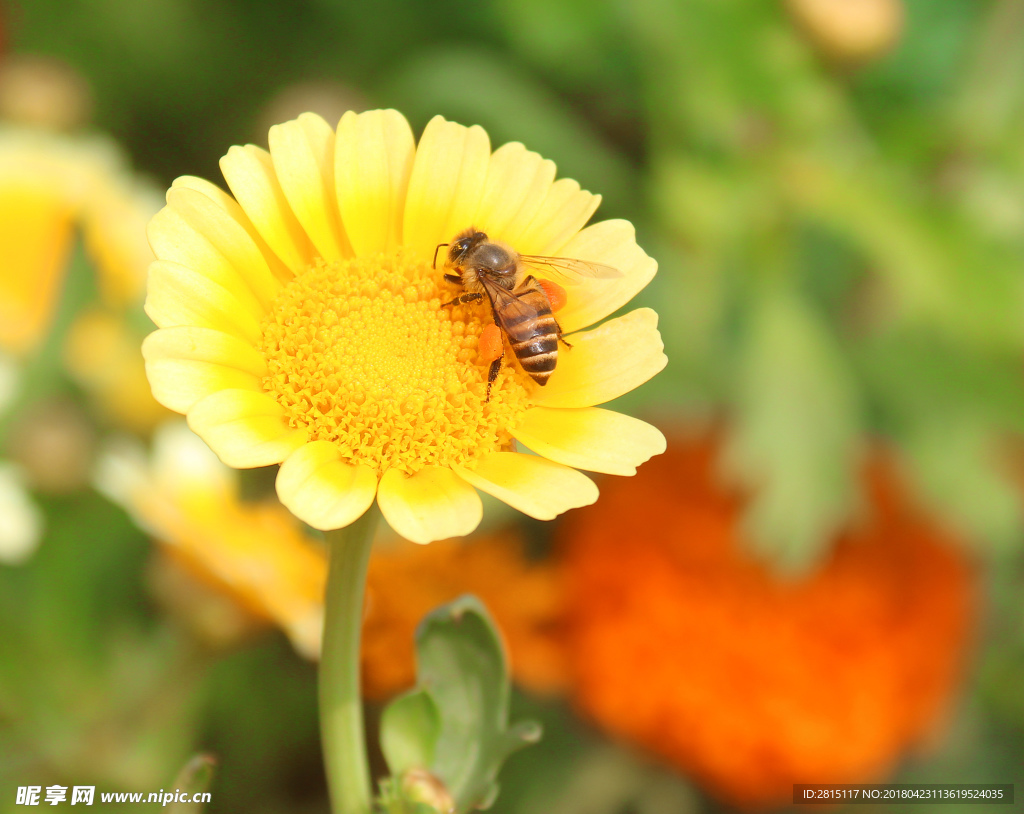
[341, 703]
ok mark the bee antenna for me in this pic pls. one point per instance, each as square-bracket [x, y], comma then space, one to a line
[439, 245]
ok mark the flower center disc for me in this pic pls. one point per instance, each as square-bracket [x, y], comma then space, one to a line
[361, 353]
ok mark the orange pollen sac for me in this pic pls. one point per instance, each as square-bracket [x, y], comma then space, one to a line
[491, 346]
[555, 294]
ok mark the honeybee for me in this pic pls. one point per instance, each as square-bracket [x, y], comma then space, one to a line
[519, 302]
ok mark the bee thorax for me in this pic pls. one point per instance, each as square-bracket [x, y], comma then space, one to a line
[492, 257]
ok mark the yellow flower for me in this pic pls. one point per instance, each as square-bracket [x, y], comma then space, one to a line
[301, 323]
[51, 185]
[254, 553]
[101, 353]
[228, 564]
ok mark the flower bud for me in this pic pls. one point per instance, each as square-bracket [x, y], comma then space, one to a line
[850, 32]
[421, 786]
[44, 92]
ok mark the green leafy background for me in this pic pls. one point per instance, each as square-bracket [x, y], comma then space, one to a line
[841, 261]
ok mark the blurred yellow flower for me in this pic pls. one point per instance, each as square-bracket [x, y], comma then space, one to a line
[53, 187]
[50, 186]
[257, 556]
[254, 552]
[301, 323]
[101, 353]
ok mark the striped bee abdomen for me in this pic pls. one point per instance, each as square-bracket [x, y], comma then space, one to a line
[533, 336]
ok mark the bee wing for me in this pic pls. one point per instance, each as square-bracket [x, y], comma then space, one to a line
[568, 269]
[508, 308]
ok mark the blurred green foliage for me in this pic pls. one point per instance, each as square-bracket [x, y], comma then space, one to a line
[842, 264]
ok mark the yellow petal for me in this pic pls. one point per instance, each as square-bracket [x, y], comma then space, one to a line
[590, 438]
[185, 364]
[433, 504]
[175, 240]
[612, 242]
[446, 184]
[114, 236]
[536, 486]
[230, 205]
[605, 363]
[36, 231]
[180, 296]
[517, 180]
[373, 157]
[249, 172]
[303, 154]
[564, 210]
[244, 428]
[227, 237]
[323, 491]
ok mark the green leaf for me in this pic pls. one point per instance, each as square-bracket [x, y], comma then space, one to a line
[933, 267]
[950, 408]
[797, 430]
[462, 677]
[409, 730]
[958, 466]
[607, 779]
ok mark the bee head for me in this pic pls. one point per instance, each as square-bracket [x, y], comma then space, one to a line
[463, 244]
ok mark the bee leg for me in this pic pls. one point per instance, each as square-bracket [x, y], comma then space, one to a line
[558, 330]
[492, 374]
[471, 297]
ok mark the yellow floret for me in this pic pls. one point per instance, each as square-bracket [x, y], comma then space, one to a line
[362, 354]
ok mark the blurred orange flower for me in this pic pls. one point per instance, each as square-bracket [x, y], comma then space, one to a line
[684, 644]
[406, 581]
